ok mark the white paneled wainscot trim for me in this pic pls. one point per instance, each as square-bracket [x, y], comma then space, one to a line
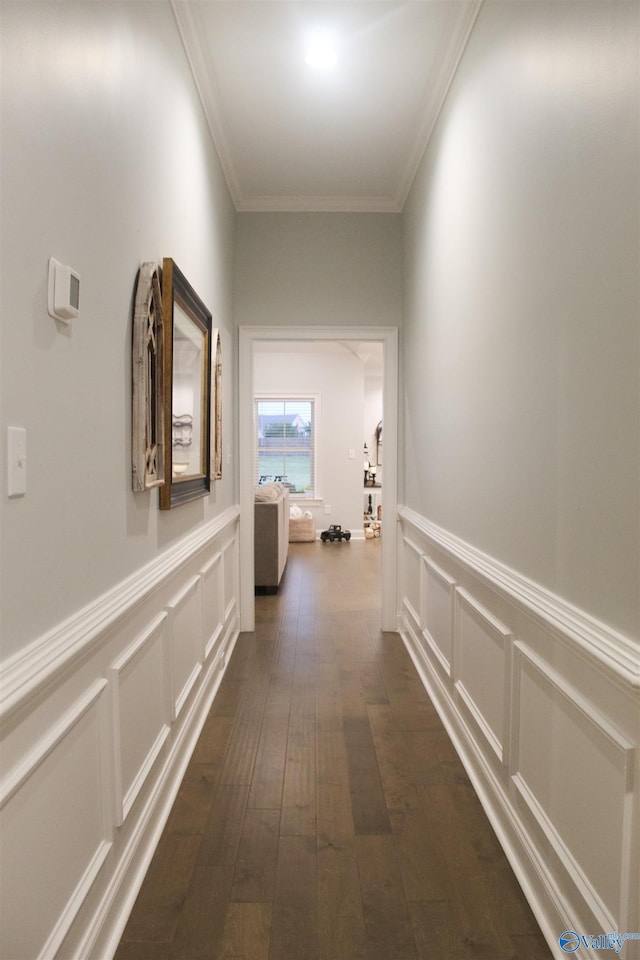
[99, 720]
[542, 702]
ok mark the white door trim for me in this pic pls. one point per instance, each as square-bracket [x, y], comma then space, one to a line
[388, 336]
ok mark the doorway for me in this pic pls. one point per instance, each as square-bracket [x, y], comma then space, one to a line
[248, 338]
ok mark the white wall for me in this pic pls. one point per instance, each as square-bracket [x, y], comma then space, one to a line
[519, 541]
[117, 620]
[337, 377]
[106, 162]
[521, 347]
[319, 269]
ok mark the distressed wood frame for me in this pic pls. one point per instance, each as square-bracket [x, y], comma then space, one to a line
[147, 420]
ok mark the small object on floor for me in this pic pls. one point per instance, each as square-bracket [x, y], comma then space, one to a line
[335, 532]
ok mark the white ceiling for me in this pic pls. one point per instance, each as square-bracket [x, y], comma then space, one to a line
[350, 138]
[370, 352]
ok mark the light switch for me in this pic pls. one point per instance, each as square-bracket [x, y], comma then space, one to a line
[352, 454]
[17, 461]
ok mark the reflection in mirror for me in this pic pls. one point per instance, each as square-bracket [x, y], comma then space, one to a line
[187, 390]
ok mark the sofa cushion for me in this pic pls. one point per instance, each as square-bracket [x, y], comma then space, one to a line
[267, 492]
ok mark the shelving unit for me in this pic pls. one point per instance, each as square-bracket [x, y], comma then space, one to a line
[372, 508]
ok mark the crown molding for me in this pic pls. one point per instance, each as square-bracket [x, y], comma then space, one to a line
[204, 78]
[462, 19]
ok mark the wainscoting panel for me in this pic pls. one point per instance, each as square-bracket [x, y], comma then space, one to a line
[98, 720]
[543, 705]
[53, 822]
[231, 575]
[482, 668]
[185, 642]
[437, 613]
[140, 714]
[412, 580]
[562, 738]
[212, 603]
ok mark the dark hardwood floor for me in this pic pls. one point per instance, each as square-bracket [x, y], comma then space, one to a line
[324, 814]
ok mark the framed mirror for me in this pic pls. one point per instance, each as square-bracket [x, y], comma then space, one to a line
[187, 390]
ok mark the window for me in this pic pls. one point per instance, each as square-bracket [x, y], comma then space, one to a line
[286, 430]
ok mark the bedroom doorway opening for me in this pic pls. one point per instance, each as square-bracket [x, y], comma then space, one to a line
[262, 349]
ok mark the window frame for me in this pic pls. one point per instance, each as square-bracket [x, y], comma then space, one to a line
[307, 396]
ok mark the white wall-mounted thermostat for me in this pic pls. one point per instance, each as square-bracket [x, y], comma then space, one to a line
[63, 292]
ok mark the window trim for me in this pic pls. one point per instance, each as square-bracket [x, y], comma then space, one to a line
[314, 398]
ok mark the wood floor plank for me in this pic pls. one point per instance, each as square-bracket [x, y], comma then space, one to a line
[388, 928]
[294, 928]
[396, 775]
[328, 698]
[299, 790]
[425, 875]
[341, 928]
[193, 804]
[475, 861]
[335, 819]
[200, 927]
[370, 815]
[331, 758]
[372, 681]
[132, 950]
[157, 909]
[255, 871]
[436, 927]
[247, 932]
[267, 781]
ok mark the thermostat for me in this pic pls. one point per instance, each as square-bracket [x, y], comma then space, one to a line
[63, 292]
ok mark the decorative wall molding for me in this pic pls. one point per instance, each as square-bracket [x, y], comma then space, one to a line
[94, 782]
[617, 653]
[24, 674]
[61, 772]
[541, 702]
[482, 669]
[149, 685]
[16, 778]
[212, 593]
[608, 808]
[438, 612]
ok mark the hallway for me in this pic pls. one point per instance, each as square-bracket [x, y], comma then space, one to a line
[324, 813]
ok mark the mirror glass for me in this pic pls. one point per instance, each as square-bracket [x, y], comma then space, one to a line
[187, 453]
